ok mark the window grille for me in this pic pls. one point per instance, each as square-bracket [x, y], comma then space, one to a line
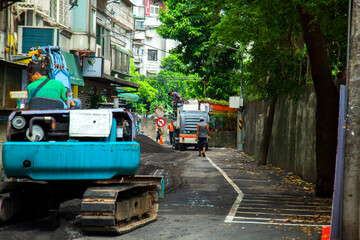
[154, 9]
[152, 55]
[59, 11]
[140, 24]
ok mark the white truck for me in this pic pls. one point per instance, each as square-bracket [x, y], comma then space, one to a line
[185, 124]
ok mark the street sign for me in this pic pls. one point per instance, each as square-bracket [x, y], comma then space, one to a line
[236, 102]
[161, 122]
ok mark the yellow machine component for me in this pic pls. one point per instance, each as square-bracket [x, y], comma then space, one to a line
[30, 54]
[12, 43]
[36, 52]
[75, 89]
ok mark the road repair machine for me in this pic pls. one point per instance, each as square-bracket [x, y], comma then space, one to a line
[54, 155]
[186, 119]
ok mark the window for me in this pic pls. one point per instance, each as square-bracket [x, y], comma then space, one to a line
[139, 25]
[152, 55]
[138, 51]
[93, 22]
[59, 11]
[53, 9]
[120, 61]
[102, 39]
[154, 9]
[139, 11]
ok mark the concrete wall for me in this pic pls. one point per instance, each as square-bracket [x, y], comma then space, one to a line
[218, 139]
[148, 127]
[292, 143]
[223, 139]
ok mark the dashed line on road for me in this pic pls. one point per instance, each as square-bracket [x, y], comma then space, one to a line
[231, 215]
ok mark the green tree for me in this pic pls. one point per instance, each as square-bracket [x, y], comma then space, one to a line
[173, 79]
[147, 93]
[188, 24]
[153, 91]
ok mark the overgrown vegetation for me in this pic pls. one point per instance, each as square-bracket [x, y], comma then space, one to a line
[153, 91]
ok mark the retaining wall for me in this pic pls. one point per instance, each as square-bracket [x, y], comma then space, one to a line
[218, 139]
[292, 142]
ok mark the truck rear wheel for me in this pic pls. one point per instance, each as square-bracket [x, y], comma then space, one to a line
[182, 147]
[177, 145]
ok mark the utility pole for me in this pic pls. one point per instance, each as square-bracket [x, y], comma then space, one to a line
[240, 110]
[350, 202]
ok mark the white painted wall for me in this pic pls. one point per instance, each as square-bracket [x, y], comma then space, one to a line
[152, 41]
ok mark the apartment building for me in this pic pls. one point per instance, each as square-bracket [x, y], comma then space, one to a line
[84, 29]
[149, 47]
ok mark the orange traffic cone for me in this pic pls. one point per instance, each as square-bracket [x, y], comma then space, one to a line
[161, 140]
[149, 136]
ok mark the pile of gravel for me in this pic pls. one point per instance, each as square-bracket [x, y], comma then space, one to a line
[150, 146]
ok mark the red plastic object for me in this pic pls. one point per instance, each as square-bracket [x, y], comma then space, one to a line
[325, 233]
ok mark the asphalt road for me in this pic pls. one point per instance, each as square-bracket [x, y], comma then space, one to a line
[223, 196]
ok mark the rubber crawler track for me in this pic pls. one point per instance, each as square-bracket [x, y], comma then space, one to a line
[99, 207]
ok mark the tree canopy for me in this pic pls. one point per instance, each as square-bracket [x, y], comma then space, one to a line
[188, 24]
[153, 91]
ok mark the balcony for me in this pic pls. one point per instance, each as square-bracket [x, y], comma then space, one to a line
[137, 59]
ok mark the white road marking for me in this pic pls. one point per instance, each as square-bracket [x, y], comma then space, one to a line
[276, 214]
[264, 201]
[158, 172]
[251, 180]
[190, 205]
[230, 216]
[288, 209]
[297, 206]
[274, 220]
[282, 224]
[161, 172]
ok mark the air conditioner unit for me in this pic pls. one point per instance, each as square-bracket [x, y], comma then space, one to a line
[29, 37]
[150, 33]
[137, 59]
[98, 50]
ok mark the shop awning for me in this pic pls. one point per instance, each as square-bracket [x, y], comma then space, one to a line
[73, 65]
[118, 82]
[121, 49]
[128, 97]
